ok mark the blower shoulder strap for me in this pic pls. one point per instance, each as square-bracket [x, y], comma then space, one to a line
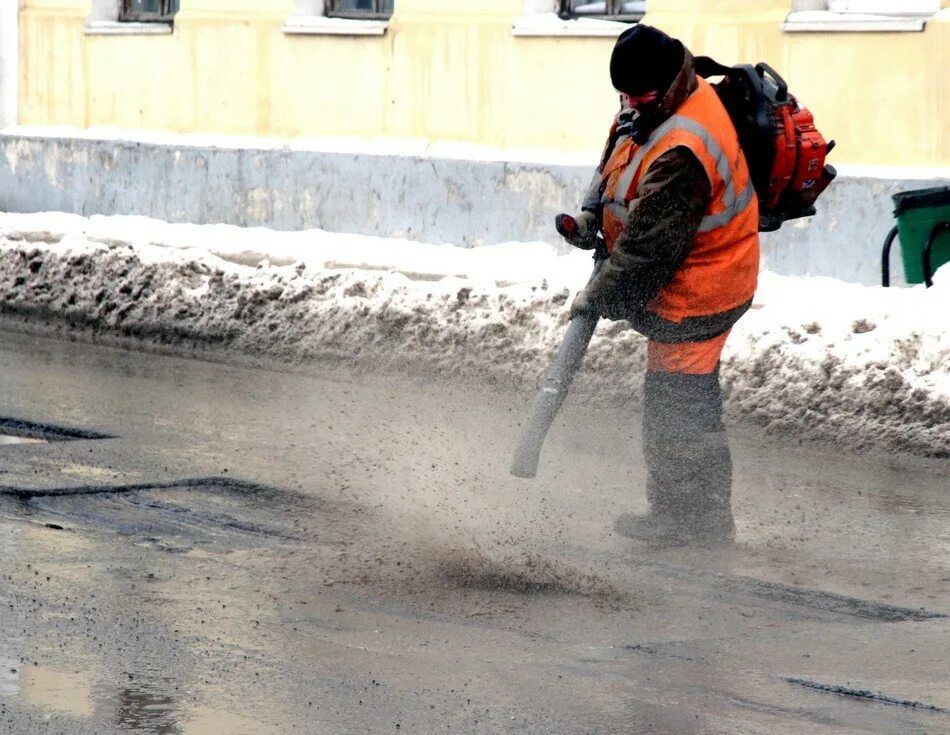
[706, 66]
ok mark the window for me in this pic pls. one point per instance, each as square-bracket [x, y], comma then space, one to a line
[885, 7]
[577, 18]
[339, 17]
[162, 11]
[131, 17]
[860, 15]
[623, 10]
[360, 9]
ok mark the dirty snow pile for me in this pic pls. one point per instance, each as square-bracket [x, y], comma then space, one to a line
[815, 358]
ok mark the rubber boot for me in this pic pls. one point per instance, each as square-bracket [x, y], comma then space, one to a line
[689, 467]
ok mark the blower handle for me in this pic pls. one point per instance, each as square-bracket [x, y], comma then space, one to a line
[762, 68]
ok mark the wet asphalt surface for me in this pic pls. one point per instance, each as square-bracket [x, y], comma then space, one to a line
[266, 551]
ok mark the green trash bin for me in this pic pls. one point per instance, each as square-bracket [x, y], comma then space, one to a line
[921, 214]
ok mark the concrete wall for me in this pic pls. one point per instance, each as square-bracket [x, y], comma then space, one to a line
[421, 197]
[430, 197]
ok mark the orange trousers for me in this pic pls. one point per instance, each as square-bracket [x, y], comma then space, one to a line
[688, 358]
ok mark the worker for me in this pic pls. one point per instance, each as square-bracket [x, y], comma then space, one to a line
[675, 204]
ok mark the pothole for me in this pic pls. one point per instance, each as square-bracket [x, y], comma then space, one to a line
[20, 431]
[213, 512]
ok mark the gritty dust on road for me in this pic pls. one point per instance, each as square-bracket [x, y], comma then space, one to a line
[264, 551]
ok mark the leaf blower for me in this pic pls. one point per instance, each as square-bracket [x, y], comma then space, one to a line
[567, 362]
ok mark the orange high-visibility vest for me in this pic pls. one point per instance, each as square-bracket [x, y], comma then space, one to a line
[721, 270]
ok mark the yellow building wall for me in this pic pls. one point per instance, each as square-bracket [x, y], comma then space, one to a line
[451, 70]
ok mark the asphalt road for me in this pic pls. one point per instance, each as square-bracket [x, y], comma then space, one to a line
[258, 550]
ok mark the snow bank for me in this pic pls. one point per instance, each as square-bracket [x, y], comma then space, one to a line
[815, 358]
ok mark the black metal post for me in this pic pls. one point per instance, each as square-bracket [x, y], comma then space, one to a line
[886, 257]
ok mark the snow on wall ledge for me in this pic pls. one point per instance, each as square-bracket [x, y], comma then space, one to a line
[815, 358]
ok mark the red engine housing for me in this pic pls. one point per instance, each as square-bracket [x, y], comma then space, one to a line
[798, 174]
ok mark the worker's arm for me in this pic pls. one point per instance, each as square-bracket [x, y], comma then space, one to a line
[662, 224]
[592, 200]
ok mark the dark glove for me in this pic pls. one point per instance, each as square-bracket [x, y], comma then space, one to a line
[580, 230]
[580, 304]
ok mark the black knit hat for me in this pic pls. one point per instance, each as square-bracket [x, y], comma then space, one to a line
[645, 59]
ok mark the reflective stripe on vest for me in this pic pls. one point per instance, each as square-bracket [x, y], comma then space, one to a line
[733, 204]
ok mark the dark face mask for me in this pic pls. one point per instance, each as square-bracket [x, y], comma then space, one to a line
[645, 119]
[625, 120]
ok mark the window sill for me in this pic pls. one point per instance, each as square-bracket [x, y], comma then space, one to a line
[549, 24]
[823, 21]
[127, 28]
[322, 26]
